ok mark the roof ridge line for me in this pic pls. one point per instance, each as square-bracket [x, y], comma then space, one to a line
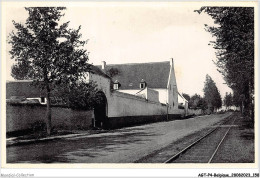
[137, 63]
[10, 81]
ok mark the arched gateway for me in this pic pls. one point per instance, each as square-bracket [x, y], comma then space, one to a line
[100, 111]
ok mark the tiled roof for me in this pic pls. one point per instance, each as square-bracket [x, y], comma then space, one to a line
[130, 75]
[23, 88]
[97, 70]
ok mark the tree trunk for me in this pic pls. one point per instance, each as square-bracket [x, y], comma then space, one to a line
[247, 101]
[251, 101]
[242, 107]
[48, 114]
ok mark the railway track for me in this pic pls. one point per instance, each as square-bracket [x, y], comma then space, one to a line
[204, 149]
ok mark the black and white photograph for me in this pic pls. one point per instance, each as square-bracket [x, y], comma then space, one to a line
[143, 83]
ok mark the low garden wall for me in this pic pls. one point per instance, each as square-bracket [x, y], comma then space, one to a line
[23, 117]
[195, 112]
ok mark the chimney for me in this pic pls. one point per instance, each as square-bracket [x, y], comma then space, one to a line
[103, 64]
[143, 84]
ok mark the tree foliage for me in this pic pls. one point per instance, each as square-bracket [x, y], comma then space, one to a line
[235, 48]
[197, 102]
[47, 51]
[228, 100]
[112, 72]
[186, 96]
[82, 95]
[211, 94]
[194, 100]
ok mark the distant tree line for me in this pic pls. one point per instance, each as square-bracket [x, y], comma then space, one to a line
[211, 100]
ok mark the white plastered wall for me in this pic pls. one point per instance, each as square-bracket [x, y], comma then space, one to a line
[123, 104]
[172, 98]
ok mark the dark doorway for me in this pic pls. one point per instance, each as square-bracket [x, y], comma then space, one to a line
[100, 111]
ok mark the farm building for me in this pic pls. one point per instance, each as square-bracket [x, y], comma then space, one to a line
[133, 93]
[140, 90]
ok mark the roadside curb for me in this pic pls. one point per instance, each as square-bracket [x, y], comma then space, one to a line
[29, 141]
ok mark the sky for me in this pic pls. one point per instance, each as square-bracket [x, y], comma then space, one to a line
[143, 33]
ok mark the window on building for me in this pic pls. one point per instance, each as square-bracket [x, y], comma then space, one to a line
[142, 84]
[115, 86]
[42, 100]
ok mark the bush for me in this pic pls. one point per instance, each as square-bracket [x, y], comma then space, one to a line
[84, 96]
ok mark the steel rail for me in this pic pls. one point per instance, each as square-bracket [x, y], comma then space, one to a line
[212, 156]
[174, 157]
